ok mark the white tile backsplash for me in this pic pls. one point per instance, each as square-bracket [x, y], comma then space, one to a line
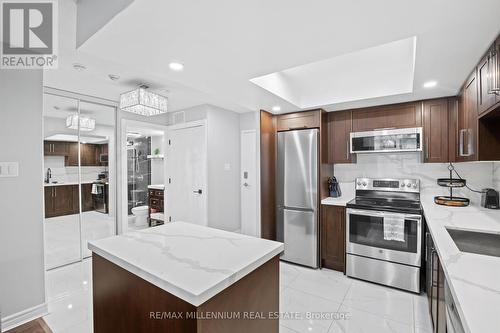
[409, 165]
[496, 176]
[63, 174]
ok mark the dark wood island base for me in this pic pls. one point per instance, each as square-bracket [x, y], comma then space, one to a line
[124, 302]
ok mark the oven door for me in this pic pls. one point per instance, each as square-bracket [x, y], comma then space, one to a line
[365, 236]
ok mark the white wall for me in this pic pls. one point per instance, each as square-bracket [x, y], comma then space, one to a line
[21, 200]
[249, 121]
[223, 169]
[409, 165]
[157, 165]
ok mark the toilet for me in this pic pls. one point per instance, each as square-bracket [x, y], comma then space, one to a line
[141, 215]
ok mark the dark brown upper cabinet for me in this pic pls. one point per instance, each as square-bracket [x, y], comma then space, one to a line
[488, 79]
[299, 120]
[72, 159]
[436, 125]
[467, 121]
[339, 130]
[55, 148]
[388, 116]
[333, 228]
[486, 96]
[88, 154]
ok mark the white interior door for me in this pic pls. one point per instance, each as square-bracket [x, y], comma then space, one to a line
[248, 180]
[186, 196]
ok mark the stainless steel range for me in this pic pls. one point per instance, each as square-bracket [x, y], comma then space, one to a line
[384, 233]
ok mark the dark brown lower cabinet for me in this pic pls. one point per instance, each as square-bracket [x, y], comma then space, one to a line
[60, 200]
[125, 303]
[435, 287]
[63, 200]
[333, 237]
[87, 200]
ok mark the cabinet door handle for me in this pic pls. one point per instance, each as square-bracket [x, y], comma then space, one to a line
[427, 148]
[462, 143]
[493, 72]
[296, 128]
[347, 151]
[470, 143]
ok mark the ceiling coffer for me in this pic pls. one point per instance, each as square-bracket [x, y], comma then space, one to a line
[143, 102]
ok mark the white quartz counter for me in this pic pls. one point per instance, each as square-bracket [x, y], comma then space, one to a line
[348, 194]
[474, 279]
[189, 261]
[63, 184]
[156, 187]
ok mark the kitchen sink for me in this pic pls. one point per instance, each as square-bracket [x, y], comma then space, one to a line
[476, 242]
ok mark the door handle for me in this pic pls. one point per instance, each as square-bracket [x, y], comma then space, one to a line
[246, 184]
[199, 191]
[493, 71]
[427, 148]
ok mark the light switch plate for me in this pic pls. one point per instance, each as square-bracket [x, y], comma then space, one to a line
[9, 169]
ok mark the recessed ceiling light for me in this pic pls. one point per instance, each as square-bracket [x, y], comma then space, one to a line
[276, 108]
[430, 84]
[113, 77]
[70, 306]
[79, 67]
[176, 66]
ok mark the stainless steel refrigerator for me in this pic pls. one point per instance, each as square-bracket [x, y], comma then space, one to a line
[297, 190]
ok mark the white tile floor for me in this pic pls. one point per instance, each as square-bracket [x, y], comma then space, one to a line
[347, 305]
[62, 236]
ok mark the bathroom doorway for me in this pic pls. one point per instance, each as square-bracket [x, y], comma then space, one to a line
[143, 147]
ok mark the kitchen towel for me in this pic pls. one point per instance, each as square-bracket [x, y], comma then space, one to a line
[94, 189]
[394, 229]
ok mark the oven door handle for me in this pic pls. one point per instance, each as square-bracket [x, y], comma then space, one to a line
[383, 214]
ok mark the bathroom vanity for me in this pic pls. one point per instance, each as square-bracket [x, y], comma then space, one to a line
[177, 277]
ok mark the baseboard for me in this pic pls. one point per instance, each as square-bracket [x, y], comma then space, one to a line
[23, 317]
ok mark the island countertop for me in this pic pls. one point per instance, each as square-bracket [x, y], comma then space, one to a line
[189, 261]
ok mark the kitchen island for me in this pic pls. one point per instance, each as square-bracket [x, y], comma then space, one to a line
[182, 277]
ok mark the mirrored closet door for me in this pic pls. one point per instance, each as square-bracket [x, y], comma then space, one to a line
[79, 168]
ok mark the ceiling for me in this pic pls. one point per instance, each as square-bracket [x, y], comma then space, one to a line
[224, 44]
[62, 107]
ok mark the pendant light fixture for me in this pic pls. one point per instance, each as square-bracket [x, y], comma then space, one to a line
[86, 124]
[143, 102]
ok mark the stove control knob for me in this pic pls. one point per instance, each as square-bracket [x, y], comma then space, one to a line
[402, 184]
[414, 185]
[364, 184]
[408, 185]
[359, 183]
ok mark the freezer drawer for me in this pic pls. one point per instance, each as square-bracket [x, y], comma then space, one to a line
[300, 235]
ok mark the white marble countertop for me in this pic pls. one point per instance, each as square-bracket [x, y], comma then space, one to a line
[474, 279]
[189, 261]
[65, 183]
[340, 201]
[156, 187]
[348, 194]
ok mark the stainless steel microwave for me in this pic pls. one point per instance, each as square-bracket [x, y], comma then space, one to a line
[387, 140]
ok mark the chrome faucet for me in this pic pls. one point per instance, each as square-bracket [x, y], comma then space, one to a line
[48, 175]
